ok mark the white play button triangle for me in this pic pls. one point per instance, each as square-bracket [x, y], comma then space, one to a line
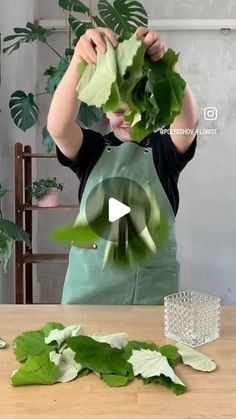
[116, 209]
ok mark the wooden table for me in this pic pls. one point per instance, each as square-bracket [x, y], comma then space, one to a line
[209, 395]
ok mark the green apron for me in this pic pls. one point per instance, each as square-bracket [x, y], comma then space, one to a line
[86, 282]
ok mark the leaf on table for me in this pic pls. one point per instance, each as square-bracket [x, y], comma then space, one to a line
[60, 335]
[116, 340]
[68, 368]
[171, 353]
[116, 380]
[2, 344]
[195, 359]
[152, 363]
[137, 345]
[37, 369]
[98, 356]
[33, 343]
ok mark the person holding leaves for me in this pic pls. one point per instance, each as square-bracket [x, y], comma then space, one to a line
[157, 159]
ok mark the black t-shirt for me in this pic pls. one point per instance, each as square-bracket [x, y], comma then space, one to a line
[167, 160]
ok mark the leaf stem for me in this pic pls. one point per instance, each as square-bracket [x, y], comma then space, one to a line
[42, 93]
[91, 11]
[53, 49]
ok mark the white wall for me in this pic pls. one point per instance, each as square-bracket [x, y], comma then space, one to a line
[18, 72]
[205, 221]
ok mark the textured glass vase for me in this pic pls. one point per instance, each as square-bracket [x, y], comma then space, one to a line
[192, 317]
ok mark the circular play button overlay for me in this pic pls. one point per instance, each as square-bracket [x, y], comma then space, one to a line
[118, 209]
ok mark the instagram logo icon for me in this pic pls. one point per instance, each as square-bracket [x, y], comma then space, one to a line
[210, 113]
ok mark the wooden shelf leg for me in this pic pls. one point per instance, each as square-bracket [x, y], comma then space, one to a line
[28, 228]
[19, 271]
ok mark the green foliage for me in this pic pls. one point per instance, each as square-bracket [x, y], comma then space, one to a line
[41, 187]
[5, 250]
[48, 141]
[55, 74]
[37, 369]
[153, 91]
[123, 16]
[9, 232]
[74, 6]
[24, 110]
[48, 360]
[32, 32]
[33, 343]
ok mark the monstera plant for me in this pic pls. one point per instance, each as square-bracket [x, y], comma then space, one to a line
[123, 17]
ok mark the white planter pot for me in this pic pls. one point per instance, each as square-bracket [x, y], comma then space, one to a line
[50, 199]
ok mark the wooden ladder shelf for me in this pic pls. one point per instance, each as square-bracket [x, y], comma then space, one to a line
[24, 257]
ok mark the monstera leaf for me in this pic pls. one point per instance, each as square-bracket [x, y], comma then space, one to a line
[124, 16]
[73, 6]
[32, 32]
[89, 114]
[55, 74]
[78, 27]
[24, 110]
[48, 142]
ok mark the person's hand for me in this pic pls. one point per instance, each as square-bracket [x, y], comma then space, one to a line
[92, 38]
[154, 44]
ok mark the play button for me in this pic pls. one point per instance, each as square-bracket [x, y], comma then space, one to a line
[116, 210]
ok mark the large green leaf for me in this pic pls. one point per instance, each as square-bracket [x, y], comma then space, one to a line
[124, 16]
[32, 32]
[37, 370]
[24, 110]
[5, 250]
[98, 356]
[89, 114]
[14, 231]
[91, 88]
[48, 142]
[74, 6]
[150, 363]
[195, 359]
[78, 27]
[33, 343]
[55, 74]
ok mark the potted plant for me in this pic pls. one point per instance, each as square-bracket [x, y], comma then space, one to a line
[45, 191]
[9, 232]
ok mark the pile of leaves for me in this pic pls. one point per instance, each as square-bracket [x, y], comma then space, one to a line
[153, 91]
[57, 353]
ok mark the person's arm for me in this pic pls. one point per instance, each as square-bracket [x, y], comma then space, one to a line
[64, 107]
[189, 116]
[187, 119]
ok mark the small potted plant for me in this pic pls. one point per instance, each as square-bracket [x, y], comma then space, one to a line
[45, 191]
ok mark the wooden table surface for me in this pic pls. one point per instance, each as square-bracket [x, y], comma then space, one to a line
[209, 395]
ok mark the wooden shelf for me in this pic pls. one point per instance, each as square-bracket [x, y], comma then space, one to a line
[28, 207]
[38, 155]
[24, 256]
[45, 258]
